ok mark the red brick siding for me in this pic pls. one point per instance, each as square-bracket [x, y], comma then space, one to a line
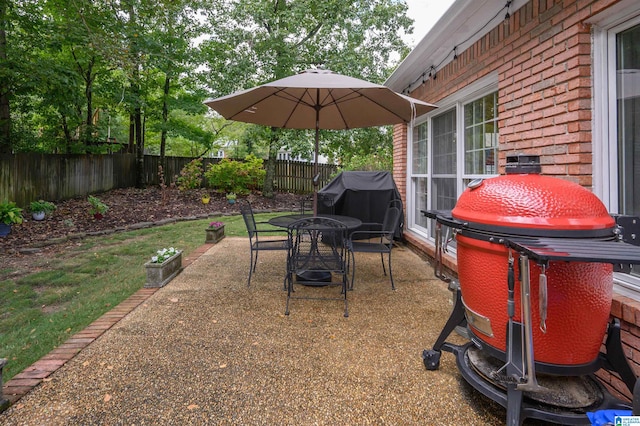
[542, 56]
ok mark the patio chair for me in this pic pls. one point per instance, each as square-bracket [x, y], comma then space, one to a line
[317, 257]
[258, 240]
[379, 240]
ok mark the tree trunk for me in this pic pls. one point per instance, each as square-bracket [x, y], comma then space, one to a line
[270, 166]
[88, 91]
[140, 181]
[5, 111]
[165, 118]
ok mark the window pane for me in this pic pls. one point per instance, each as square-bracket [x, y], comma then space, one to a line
[443, 184]
[419, 156]
[444, 143]
[480, 118]
[420, 201]
[628, 97]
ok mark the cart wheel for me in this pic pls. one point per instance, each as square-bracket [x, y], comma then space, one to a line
[431, 359]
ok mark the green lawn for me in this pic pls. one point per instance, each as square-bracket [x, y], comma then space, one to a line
[57, 297]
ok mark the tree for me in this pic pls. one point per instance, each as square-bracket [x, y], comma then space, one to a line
[262, 40]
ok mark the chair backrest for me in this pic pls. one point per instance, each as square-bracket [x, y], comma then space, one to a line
[326, 203]
[317, 244]
[247, 215]
[390, 222]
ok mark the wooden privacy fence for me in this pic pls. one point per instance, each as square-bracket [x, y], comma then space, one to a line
[53, 177]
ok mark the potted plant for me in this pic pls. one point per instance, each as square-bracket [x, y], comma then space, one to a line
[231, 197]
[215, 232]
[98, 208]
[10, 213]
[39, 208]
[163, 267]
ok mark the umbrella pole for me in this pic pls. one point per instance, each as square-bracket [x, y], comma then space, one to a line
[316, 176]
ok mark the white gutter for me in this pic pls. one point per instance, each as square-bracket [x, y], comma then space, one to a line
[464, 23]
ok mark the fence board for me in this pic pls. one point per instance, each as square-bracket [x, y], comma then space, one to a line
[26, 177]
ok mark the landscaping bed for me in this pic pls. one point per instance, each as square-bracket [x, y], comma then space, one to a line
[128, 208]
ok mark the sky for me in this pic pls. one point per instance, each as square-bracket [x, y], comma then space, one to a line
[425, 14]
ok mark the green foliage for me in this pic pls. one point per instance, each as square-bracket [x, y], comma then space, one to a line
[370, 162]
[97, 206]
[42, 206]
[236, 176]
[191, 175]
[10, 213]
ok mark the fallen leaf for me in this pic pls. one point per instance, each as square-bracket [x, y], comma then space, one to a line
[173, 299]
[192, 407]
[223, 365]
[47, 379]
[107, 398]
[86, 363]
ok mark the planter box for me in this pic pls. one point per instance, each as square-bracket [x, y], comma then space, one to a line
[214, 234]
[159, 274]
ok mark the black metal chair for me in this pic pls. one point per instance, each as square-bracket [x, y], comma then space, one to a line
[379, 239]
[256, 242]
[317, 254]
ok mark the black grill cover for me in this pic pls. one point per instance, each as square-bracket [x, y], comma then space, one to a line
[364, 195]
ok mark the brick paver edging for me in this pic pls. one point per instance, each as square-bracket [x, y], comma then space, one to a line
[33, 375]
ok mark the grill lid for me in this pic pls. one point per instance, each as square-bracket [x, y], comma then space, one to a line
[533, 205]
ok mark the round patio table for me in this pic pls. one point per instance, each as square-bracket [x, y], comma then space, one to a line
[284, 221]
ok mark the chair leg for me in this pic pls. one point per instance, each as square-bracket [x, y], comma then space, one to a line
[289, 283]
[251, 268]
[382, 259]
[344, 290]
[353, 271]
[393, 287]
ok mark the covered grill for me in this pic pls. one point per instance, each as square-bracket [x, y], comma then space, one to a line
[535, 268]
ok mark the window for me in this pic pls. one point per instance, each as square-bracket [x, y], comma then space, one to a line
[453, 145]
[616, 127]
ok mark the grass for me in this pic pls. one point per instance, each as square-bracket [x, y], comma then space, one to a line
[55, 298]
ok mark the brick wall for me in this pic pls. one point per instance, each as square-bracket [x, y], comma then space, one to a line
[542, 56]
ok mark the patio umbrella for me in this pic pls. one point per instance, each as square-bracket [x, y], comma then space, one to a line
[319, 99]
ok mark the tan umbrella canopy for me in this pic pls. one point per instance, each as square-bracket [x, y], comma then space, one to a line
[319, 99]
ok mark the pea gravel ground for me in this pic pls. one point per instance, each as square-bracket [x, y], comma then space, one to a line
[206, 349]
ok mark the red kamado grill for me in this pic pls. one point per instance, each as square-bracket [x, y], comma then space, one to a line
[536, 256]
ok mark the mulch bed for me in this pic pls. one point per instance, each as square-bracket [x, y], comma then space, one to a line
[128, 208]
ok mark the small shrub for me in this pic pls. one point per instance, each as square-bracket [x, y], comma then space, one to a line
[236, 176]
[10, 213]
[97, 206]
[41, 206]
[191, 175]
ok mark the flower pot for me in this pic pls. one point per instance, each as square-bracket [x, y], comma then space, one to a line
[214, 234]
[38, 215]
[231, 201]
[159, 274]
[205, 200]
[98, 216]
[4, 229]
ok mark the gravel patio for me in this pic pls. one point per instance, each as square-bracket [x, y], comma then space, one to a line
[206, 349]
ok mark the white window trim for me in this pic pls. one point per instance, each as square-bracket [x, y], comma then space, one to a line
[478, 88]
[623, 15]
